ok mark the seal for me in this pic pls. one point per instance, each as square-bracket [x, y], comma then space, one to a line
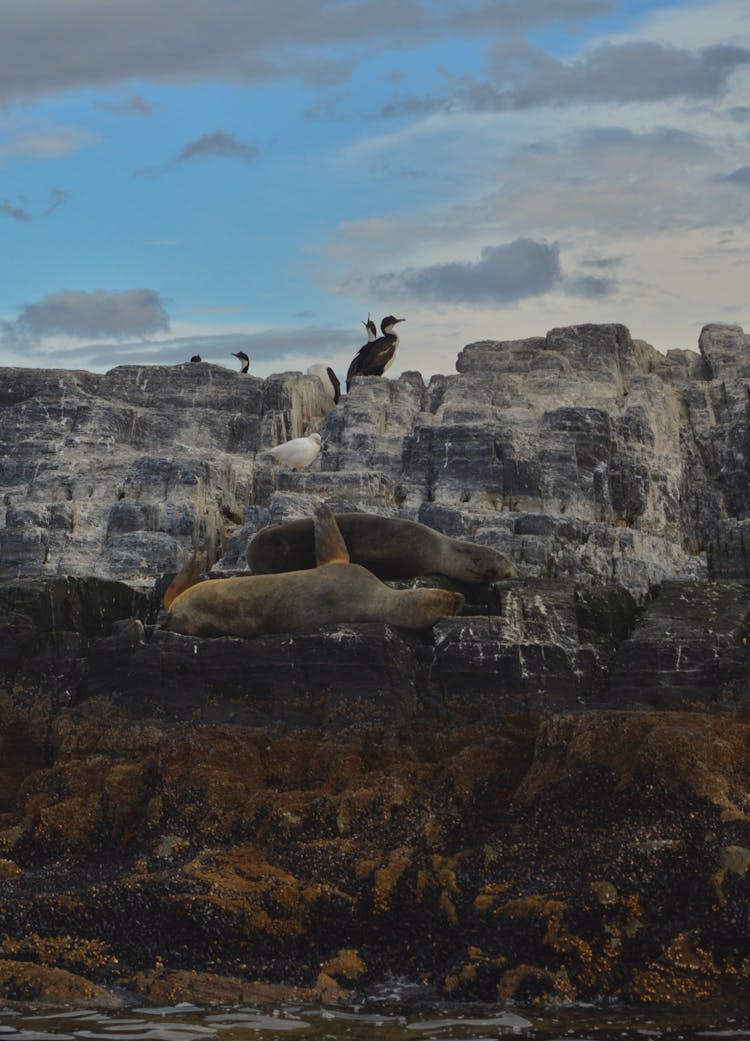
[389, 547]
[334, 591]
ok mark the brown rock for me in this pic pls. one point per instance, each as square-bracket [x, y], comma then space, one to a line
[41, 984]
[685, 973]
[168, 986]
[529, 984]
[347, 965]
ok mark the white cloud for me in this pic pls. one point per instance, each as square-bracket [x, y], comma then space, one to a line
[695, 24]
[53, 143]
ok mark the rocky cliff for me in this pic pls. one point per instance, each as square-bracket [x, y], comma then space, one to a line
[546, 796]
[582, 453]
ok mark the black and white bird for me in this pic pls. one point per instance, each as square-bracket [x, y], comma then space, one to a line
[328, 378]
[196, 357]
[376, 356]
[243, 359]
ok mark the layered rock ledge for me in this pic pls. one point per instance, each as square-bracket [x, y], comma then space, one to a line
[544, 798]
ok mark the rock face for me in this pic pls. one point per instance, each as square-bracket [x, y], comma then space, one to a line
[120, 475]
[582, 453]
[544, 798]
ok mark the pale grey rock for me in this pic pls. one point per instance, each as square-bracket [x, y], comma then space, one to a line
[718, 410]
[367, 430]
[581, 454]
[122, 475]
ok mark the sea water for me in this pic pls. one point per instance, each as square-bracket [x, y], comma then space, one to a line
[377, 1021]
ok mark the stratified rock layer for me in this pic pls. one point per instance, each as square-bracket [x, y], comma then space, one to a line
[582, 453]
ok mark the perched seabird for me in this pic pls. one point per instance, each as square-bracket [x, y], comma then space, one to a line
[329, 379]
[335, 384]
[299, 452]
[377, 356]
[243, 358]
[372, 333]
[196, 357]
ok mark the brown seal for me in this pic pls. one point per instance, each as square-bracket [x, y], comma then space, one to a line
[389, 547]
[334, 591]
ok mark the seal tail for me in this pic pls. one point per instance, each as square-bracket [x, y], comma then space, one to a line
[330, 547]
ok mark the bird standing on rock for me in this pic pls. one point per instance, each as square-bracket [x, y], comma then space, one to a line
[243, 359]
[328, 378]
[372, 333]
[375, 357]
[299, 452]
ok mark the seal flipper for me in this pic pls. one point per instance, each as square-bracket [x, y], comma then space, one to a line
[202, 560]
[186, 578]
[330, 547]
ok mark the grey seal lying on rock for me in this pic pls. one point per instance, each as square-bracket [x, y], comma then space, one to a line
[389, 547]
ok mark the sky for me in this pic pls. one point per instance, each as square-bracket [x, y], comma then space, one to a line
[209, 176]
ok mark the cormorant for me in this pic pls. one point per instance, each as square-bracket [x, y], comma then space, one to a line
[375, 357]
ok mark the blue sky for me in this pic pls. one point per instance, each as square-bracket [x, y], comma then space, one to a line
[188, 176]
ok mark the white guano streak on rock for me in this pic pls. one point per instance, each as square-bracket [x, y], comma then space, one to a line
[343, 635]
[448, 447]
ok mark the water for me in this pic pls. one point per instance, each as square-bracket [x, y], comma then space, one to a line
[375, 1022]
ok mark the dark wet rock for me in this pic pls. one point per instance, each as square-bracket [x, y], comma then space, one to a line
[541, 646]
[55, 619]
[532, 644]
[334, 677]
[471, 857]
[690, 647]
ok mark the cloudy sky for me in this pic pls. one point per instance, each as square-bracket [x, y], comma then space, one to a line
[209, 176]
